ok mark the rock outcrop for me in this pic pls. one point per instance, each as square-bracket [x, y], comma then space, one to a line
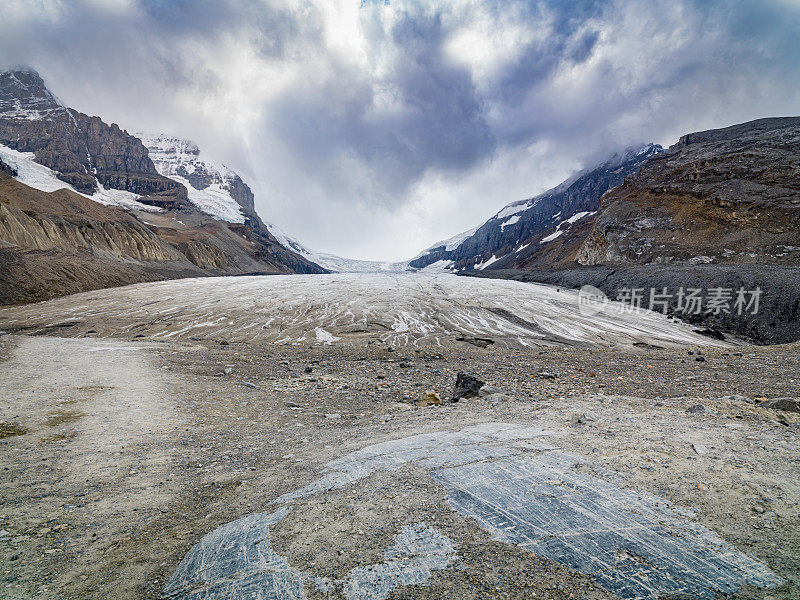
[55, 243]
[83, 150]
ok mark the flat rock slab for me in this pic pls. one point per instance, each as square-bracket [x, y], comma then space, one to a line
[399, 309]
[523, 491]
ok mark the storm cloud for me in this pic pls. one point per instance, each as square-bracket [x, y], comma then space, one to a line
[372, 130]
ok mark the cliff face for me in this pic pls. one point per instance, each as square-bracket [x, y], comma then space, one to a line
[524, 223]
[726, 196]
[83, 150]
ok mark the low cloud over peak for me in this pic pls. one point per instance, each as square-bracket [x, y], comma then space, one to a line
[371, 130]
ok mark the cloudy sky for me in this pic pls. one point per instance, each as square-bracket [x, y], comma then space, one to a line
[372, 129]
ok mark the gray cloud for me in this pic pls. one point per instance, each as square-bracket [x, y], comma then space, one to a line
[373, 131]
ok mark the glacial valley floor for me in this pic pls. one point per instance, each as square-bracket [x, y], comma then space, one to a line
[119, 455]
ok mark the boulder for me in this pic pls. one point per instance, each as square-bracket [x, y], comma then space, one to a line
[429, 398]
[787, 404]
[467, 386]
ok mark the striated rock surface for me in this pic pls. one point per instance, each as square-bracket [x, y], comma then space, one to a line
[725, 196]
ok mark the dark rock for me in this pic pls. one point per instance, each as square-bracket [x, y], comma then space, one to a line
[467, 386]
[308, 370]
[695, 409]
[536, 217]
[700, 358]
[476, 341]
[787, 404]
[712, 333]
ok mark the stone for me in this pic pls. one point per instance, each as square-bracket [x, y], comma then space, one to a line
[695, 409]
[477, 341]
[700, 449]
[308, 369]
[467, 386]
[583, 418]
[497, 398]
[547, 375]
[429, 398]
[787, 404]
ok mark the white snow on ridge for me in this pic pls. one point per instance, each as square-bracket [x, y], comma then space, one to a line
[509, 221]
[177, 159]
[45, 179]
[449, 244]
[558, 232]
[483, 265]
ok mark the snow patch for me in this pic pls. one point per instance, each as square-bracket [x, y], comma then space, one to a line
[45, 179]
[178, 159]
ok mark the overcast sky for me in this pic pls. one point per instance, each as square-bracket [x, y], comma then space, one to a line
[372, 129]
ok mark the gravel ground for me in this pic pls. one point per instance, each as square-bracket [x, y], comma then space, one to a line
[118, 456]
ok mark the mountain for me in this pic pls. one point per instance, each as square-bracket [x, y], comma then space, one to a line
[85, 152]
[212, 187]
[520, 227]
[83, 205]
[220, 192]
[718, 212]
[726, 196]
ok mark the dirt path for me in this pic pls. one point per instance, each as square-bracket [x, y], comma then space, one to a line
[94, 462]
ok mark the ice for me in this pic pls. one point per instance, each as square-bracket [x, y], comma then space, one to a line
[433, 307]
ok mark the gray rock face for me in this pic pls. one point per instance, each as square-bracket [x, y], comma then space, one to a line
[83, 150]
[521, 221]
[236, 562]
[523, 492]
[777, 320]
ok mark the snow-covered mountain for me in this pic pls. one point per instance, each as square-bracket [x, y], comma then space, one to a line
[538, 220]
[220, 192]
[31, 173]
[213, 188]
[335, 263]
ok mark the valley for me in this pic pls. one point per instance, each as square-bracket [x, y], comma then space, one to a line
[237, 414]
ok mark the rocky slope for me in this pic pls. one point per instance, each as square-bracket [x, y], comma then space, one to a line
[726, 196]
[719, 212]
[212, 187]
[84, 151]
[526, 224]
[82, 206]
[220, 192]
[61, 242]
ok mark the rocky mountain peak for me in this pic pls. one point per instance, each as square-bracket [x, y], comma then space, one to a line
[24, 95]
[213, 187]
